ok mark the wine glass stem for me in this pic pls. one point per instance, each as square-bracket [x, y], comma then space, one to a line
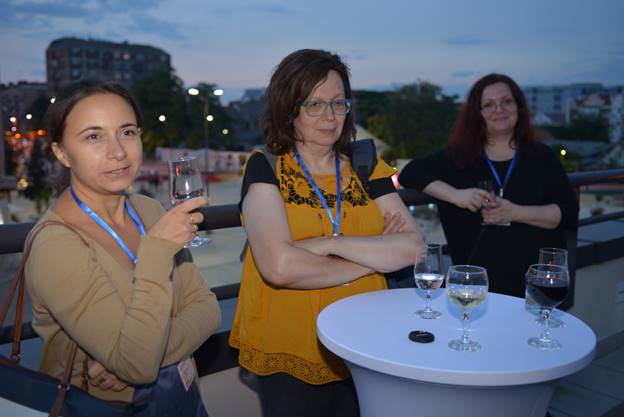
[465, 327]
[545, 324]
[428, 306]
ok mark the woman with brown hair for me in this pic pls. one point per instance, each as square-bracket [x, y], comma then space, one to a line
[532, 203]
[110, 272]
[315, 236]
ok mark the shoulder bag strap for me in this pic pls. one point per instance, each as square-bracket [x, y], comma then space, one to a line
[19, 284]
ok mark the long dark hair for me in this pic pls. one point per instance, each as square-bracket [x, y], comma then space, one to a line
[292, 82]
[469, 134]
[57, 113]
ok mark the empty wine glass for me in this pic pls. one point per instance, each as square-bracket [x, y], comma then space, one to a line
[428, 277]
[490, 187]
[467, 287]
[548, 285]
[185, 182]
[548, 256]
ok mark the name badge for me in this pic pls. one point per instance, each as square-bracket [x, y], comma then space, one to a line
[187, 372]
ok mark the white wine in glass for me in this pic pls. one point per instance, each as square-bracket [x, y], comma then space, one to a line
[428, 277]
[185, 182]
[467, 287]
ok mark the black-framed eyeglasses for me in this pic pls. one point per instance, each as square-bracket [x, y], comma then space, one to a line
[315, 108]
[506, 104]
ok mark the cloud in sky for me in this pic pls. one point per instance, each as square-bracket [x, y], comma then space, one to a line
[270, 9]
[462, 74]
[464, 41]
[239, 42]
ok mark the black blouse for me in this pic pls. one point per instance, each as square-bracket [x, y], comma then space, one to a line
[505, 251]
[259, 170]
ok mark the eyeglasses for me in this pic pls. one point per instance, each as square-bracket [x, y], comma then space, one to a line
[506, 104]
[315, 108]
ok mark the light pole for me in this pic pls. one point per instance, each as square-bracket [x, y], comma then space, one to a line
[207, 117]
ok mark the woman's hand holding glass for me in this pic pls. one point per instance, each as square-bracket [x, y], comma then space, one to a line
[180, 224]
[472, 199]
[185, 183]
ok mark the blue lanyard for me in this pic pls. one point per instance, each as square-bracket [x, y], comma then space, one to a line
[510, 168]
[109, 229]
[335, 221]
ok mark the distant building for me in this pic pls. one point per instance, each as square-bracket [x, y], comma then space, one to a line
[16, 99]
[552, 103]
[608, 106]
[69, 60]
[245, 115]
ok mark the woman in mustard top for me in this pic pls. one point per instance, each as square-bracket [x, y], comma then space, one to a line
[315, 236]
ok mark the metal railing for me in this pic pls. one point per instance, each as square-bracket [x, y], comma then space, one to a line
[226, 216]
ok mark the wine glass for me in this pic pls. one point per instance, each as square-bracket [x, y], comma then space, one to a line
[490, 187]
[185, 182]
[467, 287]
[548, 256]
[548, 285]
[428, 277]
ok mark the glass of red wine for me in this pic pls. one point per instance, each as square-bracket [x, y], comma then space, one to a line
[548, 285]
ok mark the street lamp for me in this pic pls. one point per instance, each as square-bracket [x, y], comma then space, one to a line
[207, 116]
[162, 118]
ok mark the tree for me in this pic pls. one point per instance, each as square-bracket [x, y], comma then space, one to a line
[162, 93]
[208, 133]
[583, 127]
[37, 109]
[414, 120]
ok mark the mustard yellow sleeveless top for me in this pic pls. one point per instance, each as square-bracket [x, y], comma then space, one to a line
[275, 328]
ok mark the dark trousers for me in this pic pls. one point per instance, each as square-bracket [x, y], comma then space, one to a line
[282, 395]
[166, 397]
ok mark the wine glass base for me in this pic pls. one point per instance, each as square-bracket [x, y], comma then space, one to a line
[429, 314]
[544, 344]
[470, 346]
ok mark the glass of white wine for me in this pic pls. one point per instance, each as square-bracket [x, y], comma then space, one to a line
[467, 287]
[185, 182]
[428, 276]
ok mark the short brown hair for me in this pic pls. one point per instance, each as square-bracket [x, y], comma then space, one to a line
[292, 82]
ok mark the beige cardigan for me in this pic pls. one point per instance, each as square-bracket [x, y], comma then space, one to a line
[131, 321]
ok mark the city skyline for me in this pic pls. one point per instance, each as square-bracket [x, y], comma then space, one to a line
[236, 44]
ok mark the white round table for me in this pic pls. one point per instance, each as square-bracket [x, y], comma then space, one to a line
[397, 377]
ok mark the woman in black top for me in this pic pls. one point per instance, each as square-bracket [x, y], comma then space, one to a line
[533, 203]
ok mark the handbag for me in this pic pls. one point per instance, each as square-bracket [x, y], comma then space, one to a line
[35, 390]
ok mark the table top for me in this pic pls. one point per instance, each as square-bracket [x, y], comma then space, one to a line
[371, 330]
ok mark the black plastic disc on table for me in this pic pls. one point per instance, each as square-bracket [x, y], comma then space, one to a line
[421, 336]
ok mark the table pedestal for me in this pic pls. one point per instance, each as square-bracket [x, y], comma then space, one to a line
[383, 395]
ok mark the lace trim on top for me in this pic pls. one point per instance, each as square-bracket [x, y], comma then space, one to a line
[262, 363]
